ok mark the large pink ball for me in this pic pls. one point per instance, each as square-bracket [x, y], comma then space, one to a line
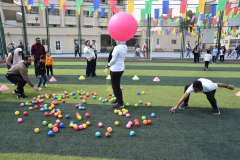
[122, 26]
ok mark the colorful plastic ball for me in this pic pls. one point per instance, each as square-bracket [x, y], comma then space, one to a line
[25, 113]
[50, 133]
[41, 106]
[65, 92]
[42, 109]
[116, 123]
[22, 104]
[103, 101]
[123, 113]
[128, 126]
[80, 126]
[145, 122]
[136, 105]
[84, 126]
[109, 129]
[83, 108]
[75, 97]
[76, 128]
[140, 102]
[47, 97]
[36, 130]
[81, 97]
[74, 125]
[149, 122]
[100, 124]
[88, 123]
[46, 114]
[148, 104]
[120, 114]
[126, 111]
[50, 125]
[80, 107]
[67, 116]
[135, 120]
[113, 96]
[35, 107]
[67, 96]
[56, 103]
[138, 93]
[59, 116]
[19, 120]
[72, 122]
[121, 88]
[55, 129]
[107, 134]
[136, 123]
[63, 101]
[130, 122]
[50, 108]
[17, 113]
[84, 97]
[92, 93]
[81, 93]
[110, 94]
[71, 125]
[44, 123]
[106, 100]
[144, 118]
[127, 104]
[33, 102]
[111, 100]
[115, 111]
[71, 94]
[87, 114]
[97, 134]
[87, 95]
[127, 115]
[26, 103]
[30, 108]
[94, 97]
[143, 92]
[79, 118]
[59, 99]
[132, 133]
[153, 115]
[123, 110]
[83, 101]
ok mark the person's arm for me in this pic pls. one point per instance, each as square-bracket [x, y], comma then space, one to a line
[186, 94]
[24, 74]
[32, 52]
[9, 59]
[114, 58]
[52, 60]
[87, 52]
[231, 87]
[44, 52]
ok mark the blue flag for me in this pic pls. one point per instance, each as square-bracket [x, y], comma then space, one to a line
[145, 22]
[214, 10]
[196, 19]
[161, 22]
[208, 22]
[239, 4]
[96, 4]
[181, 19]
[156, 14]
[52, 7]
[165, 7]
[197, 28]
[202, 17]
[102, 13]
[30, 2]
[152, 32]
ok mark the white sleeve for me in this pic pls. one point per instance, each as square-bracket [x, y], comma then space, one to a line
[190, 89]
[114, 57]
[87, 52]
[213, 86]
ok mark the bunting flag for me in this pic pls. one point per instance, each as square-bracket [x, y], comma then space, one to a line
[90, 9]
[41, 6]
[141, 23]
[197, 13]
[165, 7]
[161, 22]
[64, 8]
[130, 7]
[154, 23]
[45, 3]
[52, 7]
[202, 17]
[169, 22]
[238, 15]
[235, 10]
[239, 4]
[196, 19]
[79, 2]
[103, 10]
[145, 22]
[96, 4]
[183, 6]
[165, 21]
[170, 13]
[78, 11]
[148, 7]
[184, 15]
[222, 5]
[103, 24]
[228, 8]
[113, 4]
[116, 10]
[28, 6]
[61, 3]
[193, 17]
[201, 5]
[143, 14]
[214, 9]
[30, 2]
[156, 15]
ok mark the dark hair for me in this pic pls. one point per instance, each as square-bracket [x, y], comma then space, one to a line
[86, 42]
[42, 57]
[20, 47]
[197, 84]
[93, 40]
[37, 38]
[208, 51]
[216, 46]
[26, 57]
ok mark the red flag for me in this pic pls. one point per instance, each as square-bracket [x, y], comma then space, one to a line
[165, 21]
[190, 25]
[154, 23]
[45, 3]
[235, 10]
[183, 6]
[64, 8]
[156, 32]
[170, 13]
[165, 33]
[113, 4]
[116, 10]
[170, 32]
[193, 18]
[214, 21]
[228, 8]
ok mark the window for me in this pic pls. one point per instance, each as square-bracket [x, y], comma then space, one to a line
[90, 1]
[88, 26]
[54, 25]
[44, 42]
[33, 10]
[120, 2]
[103, 27]
[86, 14]
[71, 26]
[174, 41]
[55, 12]
[33, 24]
[105, 15]
[210, 3]
[103, 1]
[70, 0]
[158, 41]
[70, 13]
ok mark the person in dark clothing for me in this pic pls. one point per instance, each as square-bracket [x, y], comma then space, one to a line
[22, 45]
[41, 71]
[76, 48]
[36, 51]
[196, 52]
[238, 51]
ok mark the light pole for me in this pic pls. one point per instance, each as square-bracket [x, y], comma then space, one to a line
[36, 18]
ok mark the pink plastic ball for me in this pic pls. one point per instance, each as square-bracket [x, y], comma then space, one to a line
[84, 92]
[127, 115]
[122, 26]
[42, 100]
[19, 120]
[80, 126]
[130, 122]
[55, 129]
[22, 104]
[84, 97]
[95, 94]
[121, 88]
[100, 124]
[128, 126]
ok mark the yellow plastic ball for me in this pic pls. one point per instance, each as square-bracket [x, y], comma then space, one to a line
[17, 113]
[59, 116]
[47, 97]
[84, 126]
[115, 111]
[71, 125]
[126, 111]
[38, 97]
[116, 123]
[36, 130]
[123, 110]
[120, 113]
[142, 92]
[50, 108]
[53, 95]
[115, 98]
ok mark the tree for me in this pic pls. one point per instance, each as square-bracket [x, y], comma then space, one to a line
[189, 14]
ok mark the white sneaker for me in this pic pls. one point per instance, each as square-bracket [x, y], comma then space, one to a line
[13, 84]
[45, 85]
[39, 88]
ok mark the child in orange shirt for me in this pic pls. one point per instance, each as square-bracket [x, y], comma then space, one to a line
[49, 63]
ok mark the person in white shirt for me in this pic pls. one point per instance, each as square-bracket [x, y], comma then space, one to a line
[205, 86]
[222, 54]
[91, 60]
[188, 49]
[207, 59]
[117, 67]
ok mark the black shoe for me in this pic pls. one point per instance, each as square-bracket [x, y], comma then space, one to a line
[115, 102]
[118, 106]
[21, 96]
[15, 91]
[205, 69]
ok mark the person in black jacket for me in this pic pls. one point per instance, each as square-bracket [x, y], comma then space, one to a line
[41, 71]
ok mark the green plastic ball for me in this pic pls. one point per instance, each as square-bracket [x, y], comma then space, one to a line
[50, 125]
[77, 91]
[148, 104]
[87, 93]
[44, 123]
[127, 104]
[26, 103]
[144, 118]
[80, 118]
[71, 94]
[59, 99]
[111, 100]
[136, 105]
[81, 93]
[75, 97]
[100, 99]
[74, 125]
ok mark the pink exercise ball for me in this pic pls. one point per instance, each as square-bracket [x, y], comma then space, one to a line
[122, 26]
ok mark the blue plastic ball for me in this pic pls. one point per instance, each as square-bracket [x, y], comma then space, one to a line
[83, 108]
[67, 116]
[138, 93]
[54, 97]
[33, 102]
[97, 134]
[50, 133]
[153, 114]
[72, 122]
[59, 94]
[113, 96]
[61, 125]
[103, 101]
[80, 107]
[58, 110]
[94, 97]
[63, 97]
[46, 109]
[42, 96]
[65, 91]
[132, 133]
[42, 109]
[140, 102]
[100, 98]
[73, 94]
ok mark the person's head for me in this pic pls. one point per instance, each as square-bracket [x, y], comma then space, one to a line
[135, 44]
[222, 47]
[20, 47]
[28, 60]
[47, 53]
[196, 44]
[75, 43]
[19, 51]
[93, 41]
[208, 51]
[188, 42]
[38, 40]
[138, 46]
[197, 86]
[20, 43]
[87, 43]
[215, 47]
[42, 58]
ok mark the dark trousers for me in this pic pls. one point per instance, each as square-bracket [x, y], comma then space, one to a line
[76, 52]
[195, 57]
[222, 58]
[91, 68]
[214, 58]
[210, 97]
[19, 80]
[44, 77]
[115, 79]
[198, 58]
[36, 60]
[8, 67]
[49, 68]
[206, 64]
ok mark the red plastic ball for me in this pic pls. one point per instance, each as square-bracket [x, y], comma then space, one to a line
[79, 93]
[35, 107]
[63, 100]
[25, 113]
[67, 96]
[58, 122]
[136, 123]
[41, 106]
[46, 114]
[149, 122]
[55, 129]
[76, 105]
[56, 115]
[135, 120]
[56, 103]
[92, 93]
[76, 128]
[110, 97]
[87, 95]
[31, 100]
[146, 103]
[50, 114]
[87, 114]
[110, 94]
[36, 102]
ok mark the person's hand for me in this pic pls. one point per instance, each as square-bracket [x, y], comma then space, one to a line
[173, 110]
[231, 87]
[40, 76]
[106, 66]
[33, 58]
[35, 88]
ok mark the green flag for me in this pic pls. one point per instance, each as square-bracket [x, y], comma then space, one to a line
[238, 15]
[41, 6]
[218, 14]
[143, 14]
[197, 13]
[148, 7]
[169, 22]
[222, 5]
[79, 2]
[141, 23]
[90, 9]
[205, 15]
[227, 18]
[188, 18]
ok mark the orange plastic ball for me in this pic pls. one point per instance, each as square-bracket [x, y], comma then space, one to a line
[145, 122]
[109, 129]
[107, 134]
[59, 112]
[88, 123]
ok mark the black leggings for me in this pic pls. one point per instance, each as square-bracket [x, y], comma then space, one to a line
[210, 97]
[222, 58]
[49, 67]
[115, 79]
[19, 80]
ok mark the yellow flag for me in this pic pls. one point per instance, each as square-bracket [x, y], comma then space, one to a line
[28, 6]
[103, 24]
[79, 11]
[184, 15]
[201, 5]
[181, 34]
[61, 3]
[159, 22]
[174, 32]
[105, 20]
[230, 13]
[130, 7]
[224, 17]
[159, 32]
